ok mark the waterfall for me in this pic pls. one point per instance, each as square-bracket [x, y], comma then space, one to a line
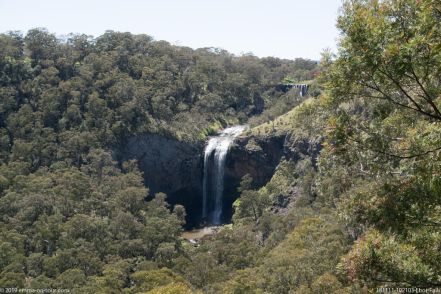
[303, 89]
[213, 182]
[207, 152]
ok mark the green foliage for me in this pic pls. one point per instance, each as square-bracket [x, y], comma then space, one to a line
[251, 204]
[173, 288]
[72, 217]
[354, 205]
[305, 257]
[148, 280]
[386, 259]
[312, 249]
[380, 166]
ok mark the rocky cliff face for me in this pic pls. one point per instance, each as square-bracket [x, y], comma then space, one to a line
[169, 166]
[176, 168]
[256, 156]
[259, 157]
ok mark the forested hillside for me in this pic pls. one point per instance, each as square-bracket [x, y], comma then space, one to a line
[120, 83]
[69, 210]
[353, 205]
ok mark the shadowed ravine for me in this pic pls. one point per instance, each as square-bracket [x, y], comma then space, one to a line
[205, 176]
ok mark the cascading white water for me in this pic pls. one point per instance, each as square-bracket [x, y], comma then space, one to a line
[303, 89]
[207, 152]
[213, 182]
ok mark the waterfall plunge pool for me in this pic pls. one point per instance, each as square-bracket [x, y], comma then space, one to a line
[197, 234]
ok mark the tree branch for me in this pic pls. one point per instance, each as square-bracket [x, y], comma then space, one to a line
[395, 155]
[427, 96]
[388, 97]
[398, 85]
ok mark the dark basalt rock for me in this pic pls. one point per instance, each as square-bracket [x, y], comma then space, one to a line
[176, 168]
[297, 148]
[259, 157]
[256, 156]
[169, 166]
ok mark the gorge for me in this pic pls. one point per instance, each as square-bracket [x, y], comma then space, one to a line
[206, 176]
[125, 165]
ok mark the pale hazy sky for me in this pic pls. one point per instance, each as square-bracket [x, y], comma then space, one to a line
[281, 28]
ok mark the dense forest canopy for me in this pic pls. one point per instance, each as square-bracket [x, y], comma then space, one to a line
[135, 84]
[354, 204]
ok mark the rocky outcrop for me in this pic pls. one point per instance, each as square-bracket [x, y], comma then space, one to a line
[169, 166]
[296, 148]
[176, 168]
[259, 156]
[256, 156]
